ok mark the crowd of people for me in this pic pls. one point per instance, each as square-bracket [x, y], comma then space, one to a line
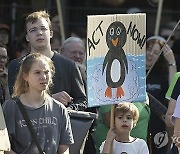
[49, 78]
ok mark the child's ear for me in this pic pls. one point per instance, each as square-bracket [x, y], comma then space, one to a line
[134, 125]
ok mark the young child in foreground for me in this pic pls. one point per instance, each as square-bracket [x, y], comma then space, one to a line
[126, 117]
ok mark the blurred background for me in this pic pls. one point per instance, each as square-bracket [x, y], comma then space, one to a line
[74, 12]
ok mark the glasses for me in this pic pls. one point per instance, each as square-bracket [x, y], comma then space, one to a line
[36, 29]
[2, 57]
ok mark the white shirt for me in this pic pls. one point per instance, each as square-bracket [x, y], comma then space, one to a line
[137, 146]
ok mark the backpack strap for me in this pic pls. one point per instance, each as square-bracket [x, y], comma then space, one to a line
[28, 122]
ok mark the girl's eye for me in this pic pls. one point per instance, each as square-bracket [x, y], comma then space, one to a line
[37, 72]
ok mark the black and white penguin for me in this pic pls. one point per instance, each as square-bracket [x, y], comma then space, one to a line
[115, 39]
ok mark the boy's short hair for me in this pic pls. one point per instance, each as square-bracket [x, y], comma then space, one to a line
[127, 107]
[33, 17]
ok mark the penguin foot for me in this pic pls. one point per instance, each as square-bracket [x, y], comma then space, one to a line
[119, 92]
[108, 92]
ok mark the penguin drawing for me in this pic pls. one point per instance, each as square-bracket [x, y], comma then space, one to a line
[115, 39]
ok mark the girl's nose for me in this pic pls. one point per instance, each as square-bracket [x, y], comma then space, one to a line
[43, 76]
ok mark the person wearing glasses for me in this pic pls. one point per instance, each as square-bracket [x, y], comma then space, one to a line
[4, 91]
[68, 84]
[4, 95]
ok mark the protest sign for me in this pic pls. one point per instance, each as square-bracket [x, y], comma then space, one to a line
[116, 47]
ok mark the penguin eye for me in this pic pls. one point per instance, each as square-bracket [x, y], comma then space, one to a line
[112, 31]
[118, 31]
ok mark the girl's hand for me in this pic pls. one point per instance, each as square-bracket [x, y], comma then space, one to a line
[168, 54]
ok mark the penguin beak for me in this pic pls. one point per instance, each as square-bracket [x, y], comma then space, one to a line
[115, 41]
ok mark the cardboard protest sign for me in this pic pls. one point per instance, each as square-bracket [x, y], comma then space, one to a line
[116, 58]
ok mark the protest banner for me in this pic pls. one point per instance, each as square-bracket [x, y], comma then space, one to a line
[116, 47]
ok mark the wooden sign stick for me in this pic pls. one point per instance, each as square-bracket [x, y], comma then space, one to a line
[61, 23]
[162, 49]
[112, 115]
[112, 123]
[158, 18]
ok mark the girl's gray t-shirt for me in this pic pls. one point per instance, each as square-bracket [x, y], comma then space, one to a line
[51, 124]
